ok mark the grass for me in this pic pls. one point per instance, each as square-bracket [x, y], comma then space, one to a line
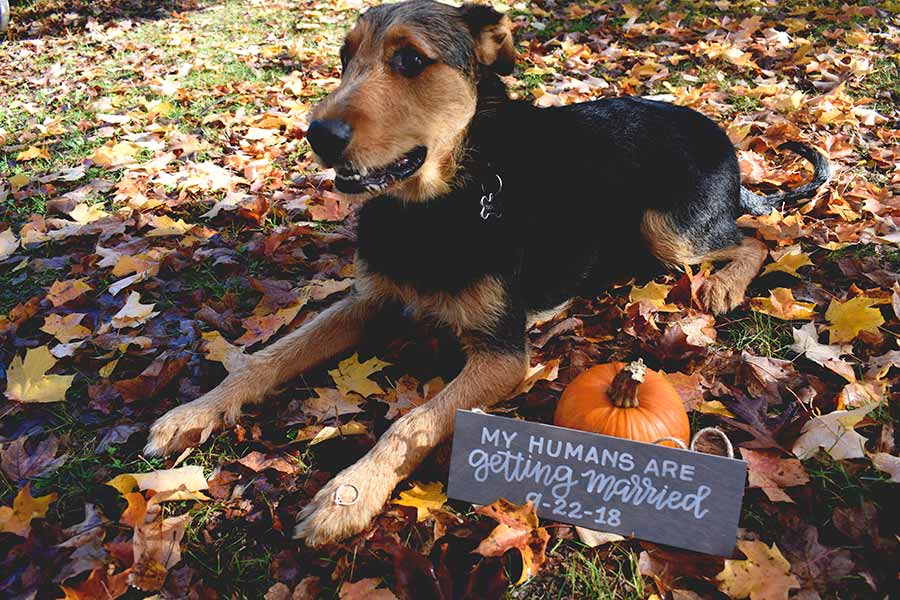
[587, 573]
[759, 334]
[17, 287]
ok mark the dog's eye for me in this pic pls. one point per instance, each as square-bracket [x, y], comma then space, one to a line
[408, 62]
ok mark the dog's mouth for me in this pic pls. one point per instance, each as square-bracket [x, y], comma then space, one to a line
[352, 180]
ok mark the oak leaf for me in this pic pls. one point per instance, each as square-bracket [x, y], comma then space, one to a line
[27, 381]
[848, 319]
[764, 575]
[424, 497]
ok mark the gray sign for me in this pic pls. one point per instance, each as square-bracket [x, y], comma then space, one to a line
[666, 495]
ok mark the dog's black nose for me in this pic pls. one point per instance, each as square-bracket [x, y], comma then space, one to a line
[329, 138]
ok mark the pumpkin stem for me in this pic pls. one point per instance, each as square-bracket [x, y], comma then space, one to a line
[623, 391]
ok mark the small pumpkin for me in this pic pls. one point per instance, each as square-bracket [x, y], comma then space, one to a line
[624, 400]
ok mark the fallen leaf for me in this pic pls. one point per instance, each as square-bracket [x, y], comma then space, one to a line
[806, 342]
[31, 153]
[329, 404]
[887, 463]
[62, 292]
[848, 319]
[20, 463]
[9, 243]
[112, 155]
[789, 263]
[655, 294]
[539, 372]
[27, 381]
[424, 497]
[352, 376]
[365, 589]
[769, 472]
[834, 433]
[25, 508]
[65, 328]
[258, 462]
[329, 432]
[261, 328]
[217, 348]
[517, 528]
[101, 584]
[188, 478]
[764, 575]
[782, 305]
[133, 313]
[157, 548]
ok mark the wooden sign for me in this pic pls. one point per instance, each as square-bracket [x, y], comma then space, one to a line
[666, 495]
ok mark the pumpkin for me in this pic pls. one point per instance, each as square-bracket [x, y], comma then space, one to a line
[628, 401]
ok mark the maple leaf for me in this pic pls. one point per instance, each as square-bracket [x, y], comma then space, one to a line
[261, 328]
[834, 433]
[424, 497]
[789, 263]
[62, 292]
[771, 473]
[848, 319]
[9, 243]
[133, 313]
[655, 294]
[18, 463]
[65, 328]
[352, 376]
[861, 393]
[27, 381]
[217, 348]
[258, 462]
[782, 305]
[25, 508]
[100, 584]
[764, 575]
[365, 589]
[518, 528]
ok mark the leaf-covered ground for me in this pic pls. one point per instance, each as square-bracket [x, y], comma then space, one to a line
[159, 215]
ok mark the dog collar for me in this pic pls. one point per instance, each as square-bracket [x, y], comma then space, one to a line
[490, 203]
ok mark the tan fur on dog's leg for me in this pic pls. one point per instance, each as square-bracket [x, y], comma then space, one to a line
[334, 330]
[725, 289]
[486, 379]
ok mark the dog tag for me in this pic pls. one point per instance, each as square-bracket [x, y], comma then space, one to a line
[665, 495]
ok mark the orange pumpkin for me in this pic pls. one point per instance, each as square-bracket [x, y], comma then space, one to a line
[628, 401]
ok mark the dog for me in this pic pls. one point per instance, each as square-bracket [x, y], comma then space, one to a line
[481, 213]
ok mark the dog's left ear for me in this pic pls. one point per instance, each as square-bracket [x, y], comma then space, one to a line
[492, 33]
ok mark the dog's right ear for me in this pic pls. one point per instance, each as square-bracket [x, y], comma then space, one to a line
[492, 32]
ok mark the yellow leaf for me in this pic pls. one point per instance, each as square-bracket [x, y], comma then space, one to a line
[33, 152]
[217, 348]
[326, 433]
[352, 376]
[111, 155]
[107, 369]
[655, 294]
[714, 407]
[19, 181]
[28, 381]
[764, 575]
[789, 263]
[124, 483]
[18, 519]
[850, 318]
[9, 243]
[133, 313]
[189, 478]
[85, 213]
[424, 497]
[65, 328]
[782, 305]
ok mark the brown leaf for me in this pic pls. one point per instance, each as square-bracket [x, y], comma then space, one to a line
[770, 472]
[517, 528]
[258, 462]
[157, 548]
[18, 463]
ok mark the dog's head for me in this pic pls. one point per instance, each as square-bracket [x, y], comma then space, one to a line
[407, 95]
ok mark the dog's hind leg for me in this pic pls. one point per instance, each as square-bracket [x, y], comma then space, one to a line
[725, 289]
[348, 502]
[334, 330]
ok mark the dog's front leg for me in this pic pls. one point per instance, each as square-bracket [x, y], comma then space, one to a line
[488, 377]
[334, 330]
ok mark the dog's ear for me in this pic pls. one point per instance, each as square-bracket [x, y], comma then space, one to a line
[492, 33]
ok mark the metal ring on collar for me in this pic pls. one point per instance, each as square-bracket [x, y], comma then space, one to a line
[338, 495]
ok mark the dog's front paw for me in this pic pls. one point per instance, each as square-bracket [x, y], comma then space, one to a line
[721, 294]
[186, 425]
[345, 506]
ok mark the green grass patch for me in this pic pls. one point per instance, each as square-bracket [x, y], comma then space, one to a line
[586, 574]
[758, 333]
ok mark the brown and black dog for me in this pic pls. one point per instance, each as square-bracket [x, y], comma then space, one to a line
[480, 213]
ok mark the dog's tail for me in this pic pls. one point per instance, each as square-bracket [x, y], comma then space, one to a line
[763, 205]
